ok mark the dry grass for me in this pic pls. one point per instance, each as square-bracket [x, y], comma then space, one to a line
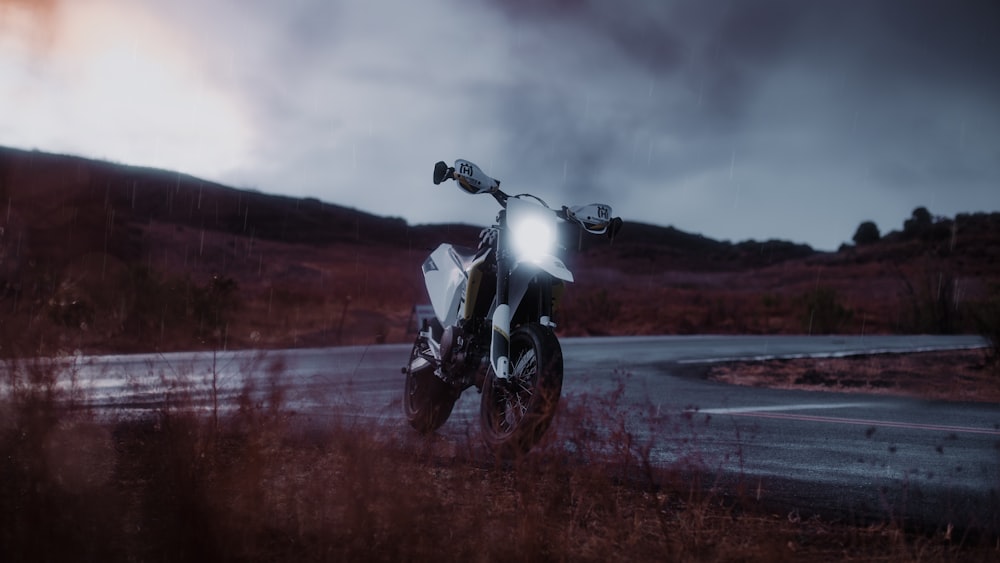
[260, 483]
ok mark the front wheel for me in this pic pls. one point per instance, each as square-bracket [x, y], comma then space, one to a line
[515, 413]
[427, 401]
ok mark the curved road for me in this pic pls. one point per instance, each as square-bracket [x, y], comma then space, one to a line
[841, 455]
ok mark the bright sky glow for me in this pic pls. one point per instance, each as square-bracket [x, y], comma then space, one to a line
[113, 83]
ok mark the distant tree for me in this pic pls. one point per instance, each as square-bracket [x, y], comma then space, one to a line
[867, 233]
[918, 222]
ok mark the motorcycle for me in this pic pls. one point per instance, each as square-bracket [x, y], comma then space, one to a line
[493, 317]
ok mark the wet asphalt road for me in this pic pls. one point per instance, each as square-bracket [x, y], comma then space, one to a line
[847, 456]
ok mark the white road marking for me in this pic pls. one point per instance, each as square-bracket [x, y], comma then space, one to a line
[773, 408]
[773, 413]
[853, 352]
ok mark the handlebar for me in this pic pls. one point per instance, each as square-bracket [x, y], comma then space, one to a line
[472, 180]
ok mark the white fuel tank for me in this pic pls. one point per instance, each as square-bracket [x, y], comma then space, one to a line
[446, 280]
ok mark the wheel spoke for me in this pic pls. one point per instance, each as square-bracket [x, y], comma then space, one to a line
[514, 395]
[515, 411]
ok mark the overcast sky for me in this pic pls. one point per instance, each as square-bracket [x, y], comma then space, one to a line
[736, 119]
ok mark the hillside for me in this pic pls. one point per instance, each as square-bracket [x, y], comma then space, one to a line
[101, 256]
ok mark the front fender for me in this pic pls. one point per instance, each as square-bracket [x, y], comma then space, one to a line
[549, 264]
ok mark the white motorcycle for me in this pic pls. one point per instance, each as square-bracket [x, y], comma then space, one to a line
[493, 317]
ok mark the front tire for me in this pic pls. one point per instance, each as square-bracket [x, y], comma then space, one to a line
[427, 401]
[514, 414]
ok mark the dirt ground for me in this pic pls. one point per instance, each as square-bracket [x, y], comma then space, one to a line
[959, 375]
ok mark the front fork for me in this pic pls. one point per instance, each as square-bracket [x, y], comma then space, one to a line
[500, 342]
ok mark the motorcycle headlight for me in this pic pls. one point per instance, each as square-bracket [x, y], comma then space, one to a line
[533, 237]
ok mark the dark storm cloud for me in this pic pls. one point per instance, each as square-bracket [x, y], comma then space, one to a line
[610, 79]
[950, 40]
[954, 40]
[712, 46]
[793, 101]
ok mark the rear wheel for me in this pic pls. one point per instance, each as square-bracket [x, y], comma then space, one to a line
[515, 413]
[427, 401]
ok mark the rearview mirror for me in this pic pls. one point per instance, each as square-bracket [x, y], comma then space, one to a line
[441, 172]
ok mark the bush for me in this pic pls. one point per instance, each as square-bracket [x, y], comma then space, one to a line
[57, 497]
[594, 312]
[213, 305]
[822, 311]
[867, 233]
[165, 307]
[934, 304]
[987, 317]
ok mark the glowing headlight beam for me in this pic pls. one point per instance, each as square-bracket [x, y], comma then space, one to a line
[533, 237]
